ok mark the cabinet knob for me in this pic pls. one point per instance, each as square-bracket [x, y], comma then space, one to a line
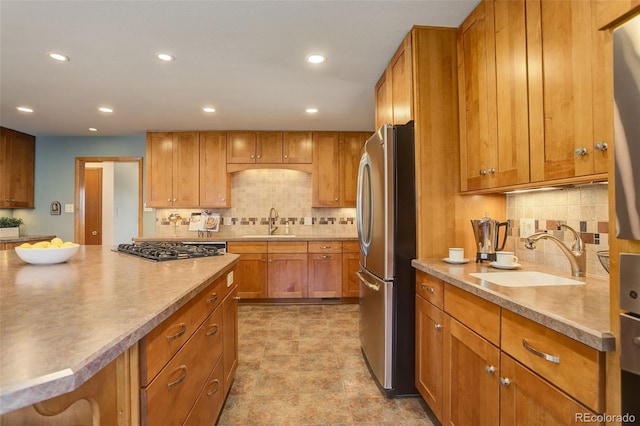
[492, 171]
[236, 298]
[169, 199]
[270, 260]
[252, 156]
[258, 156]
[601, 146]
[438, 326]
[483, 172]
[286, 156]
[336, 199]
[505, 381]
[175, 199]
[490, 369]
[581, 152]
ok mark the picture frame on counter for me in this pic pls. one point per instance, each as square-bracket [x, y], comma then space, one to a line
[55, 208]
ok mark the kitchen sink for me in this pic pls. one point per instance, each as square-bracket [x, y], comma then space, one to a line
[524, 279]
[269, 236]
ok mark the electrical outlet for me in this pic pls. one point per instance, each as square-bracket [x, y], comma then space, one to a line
[230, 279]
[308, 221]
[527, 227]
[68, 208]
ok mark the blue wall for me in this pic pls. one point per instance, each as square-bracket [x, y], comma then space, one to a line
[55, 175]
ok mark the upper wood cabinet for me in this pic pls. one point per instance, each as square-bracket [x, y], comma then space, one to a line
[609, 13]
[215, 184]
[335, 168]
[394, 91]
[173, 169]
[269, 147]
[17, 168]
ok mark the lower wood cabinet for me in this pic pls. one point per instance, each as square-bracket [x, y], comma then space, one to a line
[251, 270]
[325, 269]
[287, 276]
[230, 337]
[350, 265]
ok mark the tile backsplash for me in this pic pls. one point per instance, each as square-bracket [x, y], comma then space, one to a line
[253, 194]
[585, 209]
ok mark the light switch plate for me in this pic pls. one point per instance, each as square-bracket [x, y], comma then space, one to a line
[527, 227]
[68, 208]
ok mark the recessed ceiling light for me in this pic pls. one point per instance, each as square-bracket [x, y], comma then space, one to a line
[315, 59]
[93, 129]
[24, 109]
[209, 109]
[105, 109]
[59, 57]
[165, 57]
[311, 110]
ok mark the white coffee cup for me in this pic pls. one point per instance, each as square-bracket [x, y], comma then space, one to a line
[506, 258]
[456, 254]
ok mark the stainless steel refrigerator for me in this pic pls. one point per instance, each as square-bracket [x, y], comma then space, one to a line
[386, 223]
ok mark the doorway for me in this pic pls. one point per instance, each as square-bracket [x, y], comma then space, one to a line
[82, 217]
[93, 206]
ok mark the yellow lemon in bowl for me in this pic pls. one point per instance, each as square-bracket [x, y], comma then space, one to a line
[25, 245]
[41, 244]
[56, 242]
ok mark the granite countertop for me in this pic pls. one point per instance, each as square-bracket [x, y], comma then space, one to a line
[577, 311]
[227, 238]
[24, 238]
[60, 324]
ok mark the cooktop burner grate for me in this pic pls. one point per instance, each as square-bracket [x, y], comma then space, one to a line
[168, 251]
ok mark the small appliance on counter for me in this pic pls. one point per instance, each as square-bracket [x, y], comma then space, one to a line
[487, 233]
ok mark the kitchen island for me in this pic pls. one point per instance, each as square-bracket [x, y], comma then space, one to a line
[62, 324]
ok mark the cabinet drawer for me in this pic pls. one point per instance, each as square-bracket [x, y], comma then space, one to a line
[325, 246]
[162, 342]
[248, 247]
[430, 288]
[170, 396]
[481, 316]
[287, 247]
[572, 366]
[209, 403]
[350, 247]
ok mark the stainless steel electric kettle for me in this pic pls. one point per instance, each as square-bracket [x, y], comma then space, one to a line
[486, 232]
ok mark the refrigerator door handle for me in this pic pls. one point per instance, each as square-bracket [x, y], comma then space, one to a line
[368, 283]
[364, 210]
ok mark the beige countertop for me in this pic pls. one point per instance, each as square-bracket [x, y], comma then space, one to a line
[265, 237]
[577, 311]
[26, 238]
[60, 324]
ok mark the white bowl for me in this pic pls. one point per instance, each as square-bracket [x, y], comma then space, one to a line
[46, 256]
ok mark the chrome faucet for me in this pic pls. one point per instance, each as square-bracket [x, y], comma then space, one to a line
[273, 216]
[576, 255]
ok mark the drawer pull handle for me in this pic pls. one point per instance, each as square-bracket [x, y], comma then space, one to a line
[490, 369]
[212, 330]
[325, 247]
[214, 297]
[550, 358]
[505, 381]
[183, 329]
[425, 288]
[216, 385]
[181, 378]
[324, 256]
[438, 326]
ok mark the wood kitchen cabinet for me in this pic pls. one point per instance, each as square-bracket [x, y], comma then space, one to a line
[17, 168]
[610, 12]
[241, 147]
[251, 270]
[325, 269]
[230, 336]
[287, 270]
[394, 90]
[297, 147]
[173, 169]
[215, 183]
[335, 168]
[350, 265]
[269, 147]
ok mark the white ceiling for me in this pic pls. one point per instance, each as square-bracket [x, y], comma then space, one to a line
[245, 58]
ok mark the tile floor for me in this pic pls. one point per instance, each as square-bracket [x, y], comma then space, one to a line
[302, 365]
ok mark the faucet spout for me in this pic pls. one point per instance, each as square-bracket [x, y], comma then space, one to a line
[273, 216]
[576, 254]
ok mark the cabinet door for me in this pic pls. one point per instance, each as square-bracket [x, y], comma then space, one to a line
[402, 83]
[215, 184]
[609, 11]
[429, 354]
[230, 337]
[241, 147]
[269, 147]
[325, 275]
[159, 169]
[350, 282]
[287, 275]
[384, 109]
[525, 396]
[251, 276]
[560, 37]
[325, 177]
[17, 169]
[186, 169]
[477, 88]
[297, 147]
[350, 149]
[471, 389]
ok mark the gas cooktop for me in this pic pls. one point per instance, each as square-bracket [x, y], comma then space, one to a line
[169, 250]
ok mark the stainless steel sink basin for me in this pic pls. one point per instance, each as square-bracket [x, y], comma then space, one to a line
[269, 236]
[524, 279]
